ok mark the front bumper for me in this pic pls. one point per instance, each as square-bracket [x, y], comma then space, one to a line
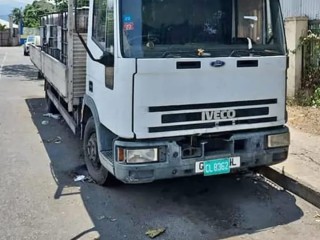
[253, 153]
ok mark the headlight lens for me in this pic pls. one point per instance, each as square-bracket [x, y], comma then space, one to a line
[279, 140]
[138, 155]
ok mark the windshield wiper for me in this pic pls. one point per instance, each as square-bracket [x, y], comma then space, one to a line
[249, 43]
[178, 54]
[254, 52]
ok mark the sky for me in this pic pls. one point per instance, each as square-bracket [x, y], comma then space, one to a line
[15, 1]
[7, 5]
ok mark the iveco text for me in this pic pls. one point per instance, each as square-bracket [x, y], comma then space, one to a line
[218, 115]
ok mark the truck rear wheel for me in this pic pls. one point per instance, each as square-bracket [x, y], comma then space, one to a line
[91, 156]
[51, 108]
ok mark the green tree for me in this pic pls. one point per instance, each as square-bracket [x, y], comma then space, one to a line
[33, 12]
[83, 3]
[62, 5]
[2, 27]
[17, 15]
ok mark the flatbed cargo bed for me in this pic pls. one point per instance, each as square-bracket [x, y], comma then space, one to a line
[58, 73]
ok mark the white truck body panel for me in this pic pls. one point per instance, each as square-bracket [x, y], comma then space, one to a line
[55, 72]
[58, 74]
[114, 106]
[35, 56]
[157, 78]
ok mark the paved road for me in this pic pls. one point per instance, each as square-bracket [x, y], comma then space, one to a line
[39, 200]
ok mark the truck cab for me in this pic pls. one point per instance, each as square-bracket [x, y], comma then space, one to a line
[162, 89]
[182, 87]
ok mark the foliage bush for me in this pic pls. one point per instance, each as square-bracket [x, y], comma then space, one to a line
[32, 12]
[316, 98]
[311, 75]
[2, 27]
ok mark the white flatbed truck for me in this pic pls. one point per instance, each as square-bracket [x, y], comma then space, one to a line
[161, 89]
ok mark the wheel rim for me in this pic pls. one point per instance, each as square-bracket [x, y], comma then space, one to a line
[92, 152]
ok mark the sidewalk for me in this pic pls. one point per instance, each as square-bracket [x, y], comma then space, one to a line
[300, 174]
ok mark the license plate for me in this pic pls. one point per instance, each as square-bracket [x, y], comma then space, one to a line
[217, 166]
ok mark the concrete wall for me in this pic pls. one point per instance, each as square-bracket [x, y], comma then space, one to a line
[31, 31]
[9, 39]
[296, 27]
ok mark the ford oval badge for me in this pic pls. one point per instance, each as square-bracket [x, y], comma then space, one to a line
[218, 63]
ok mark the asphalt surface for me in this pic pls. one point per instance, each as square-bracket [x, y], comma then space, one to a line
[40, 200]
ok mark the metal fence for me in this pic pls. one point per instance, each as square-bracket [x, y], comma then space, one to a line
[311, 50]
[311, 54]
[314, 26]
[54, 32]
[5, 38]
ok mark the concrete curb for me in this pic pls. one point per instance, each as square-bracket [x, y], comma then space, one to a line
[293, 184]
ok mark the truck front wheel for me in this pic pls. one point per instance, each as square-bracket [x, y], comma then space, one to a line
[91, 155]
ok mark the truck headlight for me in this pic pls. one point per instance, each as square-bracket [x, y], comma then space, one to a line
[138, 155]
[279, 140]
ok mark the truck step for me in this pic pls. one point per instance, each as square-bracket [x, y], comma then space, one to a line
[108, 155]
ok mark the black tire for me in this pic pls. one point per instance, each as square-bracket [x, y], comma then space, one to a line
[40, 75]
[51, 108]
[25, 53]
[91, 156]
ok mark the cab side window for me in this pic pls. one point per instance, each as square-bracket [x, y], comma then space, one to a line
[109, 81]
[99, 23]
[103, 34]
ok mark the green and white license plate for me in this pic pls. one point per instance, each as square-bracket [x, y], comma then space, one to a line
[217, 166]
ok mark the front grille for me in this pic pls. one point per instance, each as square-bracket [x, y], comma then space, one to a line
[197, 116]
[210, 125]
[212, 105]
[210, 115]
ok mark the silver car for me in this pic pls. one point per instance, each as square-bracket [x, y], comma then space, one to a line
[30, 40]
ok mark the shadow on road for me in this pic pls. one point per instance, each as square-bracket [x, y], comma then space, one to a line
[189, 208]
[20, 70]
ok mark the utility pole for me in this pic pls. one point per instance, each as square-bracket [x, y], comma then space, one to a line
[10, 30]
[20, 24]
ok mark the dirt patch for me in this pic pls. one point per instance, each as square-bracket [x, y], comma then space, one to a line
[304, 118]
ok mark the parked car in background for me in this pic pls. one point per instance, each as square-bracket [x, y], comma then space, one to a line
[30, 40]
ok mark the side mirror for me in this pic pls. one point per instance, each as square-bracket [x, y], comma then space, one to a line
[107, 59]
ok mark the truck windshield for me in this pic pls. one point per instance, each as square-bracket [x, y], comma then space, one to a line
[206, 28]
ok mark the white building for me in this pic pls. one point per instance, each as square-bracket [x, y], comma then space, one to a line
[9, 37]
[7, 24]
